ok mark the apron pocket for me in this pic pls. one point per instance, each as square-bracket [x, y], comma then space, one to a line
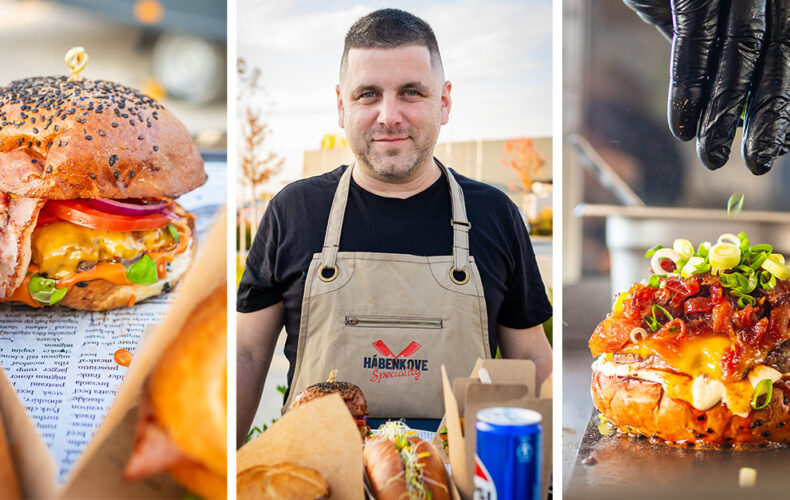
[392, 322]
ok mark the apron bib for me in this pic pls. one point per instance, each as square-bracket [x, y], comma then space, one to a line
[387, 322]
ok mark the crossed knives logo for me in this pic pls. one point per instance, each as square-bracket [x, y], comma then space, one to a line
[392, 365]
[382, 348]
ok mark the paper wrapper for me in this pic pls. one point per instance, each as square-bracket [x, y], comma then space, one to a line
[320, 435]
[97, 471]
[513, 384]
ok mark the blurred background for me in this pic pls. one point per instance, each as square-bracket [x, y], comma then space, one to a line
[498, 56]
[172, 50]
[618, 152]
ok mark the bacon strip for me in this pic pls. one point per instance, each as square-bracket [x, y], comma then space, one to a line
[18, 218]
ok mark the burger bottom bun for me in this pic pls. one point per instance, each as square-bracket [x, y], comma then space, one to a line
[101, 295]
[641, 407]
[281, 481]
[200, 480]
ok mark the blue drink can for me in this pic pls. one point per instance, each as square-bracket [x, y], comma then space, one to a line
[508, 454]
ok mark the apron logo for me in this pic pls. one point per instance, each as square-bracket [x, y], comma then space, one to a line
[393, 365]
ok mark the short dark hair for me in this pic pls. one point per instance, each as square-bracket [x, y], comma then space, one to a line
[388, 29]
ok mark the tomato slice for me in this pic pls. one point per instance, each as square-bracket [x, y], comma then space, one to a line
[78, 212]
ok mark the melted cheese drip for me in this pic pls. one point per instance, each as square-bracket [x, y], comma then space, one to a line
[701, 355]
[59, 247]
[700, 391]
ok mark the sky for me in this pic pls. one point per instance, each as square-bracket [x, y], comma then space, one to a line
[496, 53]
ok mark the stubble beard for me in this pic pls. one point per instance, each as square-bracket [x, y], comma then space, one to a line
[396, 164]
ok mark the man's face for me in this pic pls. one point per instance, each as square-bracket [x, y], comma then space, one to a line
[391, 103]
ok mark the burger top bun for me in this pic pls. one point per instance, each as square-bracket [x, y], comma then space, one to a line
[65, 139]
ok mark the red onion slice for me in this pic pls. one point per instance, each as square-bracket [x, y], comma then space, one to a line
[127, 207]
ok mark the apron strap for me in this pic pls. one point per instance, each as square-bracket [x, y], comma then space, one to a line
[459, 223]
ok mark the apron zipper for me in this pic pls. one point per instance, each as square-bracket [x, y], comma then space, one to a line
[383, 322]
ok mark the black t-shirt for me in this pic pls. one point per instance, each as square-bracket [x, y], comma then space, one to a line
[293, 227]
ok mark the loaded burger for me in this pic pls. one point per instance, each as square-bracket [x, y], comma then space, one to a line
[699, 355]
[351, 394]
[90, 171]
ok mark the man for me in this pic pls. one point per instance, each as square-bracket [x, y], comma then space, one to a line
[361, 265]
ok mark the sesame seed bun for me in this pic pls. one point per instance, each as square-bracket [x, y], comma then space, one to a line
[64, 139]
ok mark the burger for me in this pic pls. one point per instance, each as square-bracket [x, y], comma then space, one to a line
[401, 465]
[699, 354]
[89, 173]
[351, 394]
[282, 481]
[182, 420]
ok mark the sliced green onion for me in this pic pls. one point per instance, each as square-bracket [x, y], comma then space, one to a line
[763, 248]
[653, 250]
[758, 260]
[663, 253]
[767, 280]
[734, 204]
[764, 388]
[775, 267]
[724, 256]
[653, 322]
[703, 249]
[744, 241]
[746, 299]
[691, 266]
[618, 304]
[729, 238]
[683, 247]
[654, 281]
[702, 268]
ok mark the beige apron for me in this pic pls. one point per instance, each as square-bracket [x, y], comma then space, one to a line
[387, 322]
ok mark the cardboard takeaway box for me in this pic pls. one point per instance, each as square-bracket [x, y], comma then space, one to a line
[512, 384]
[97, 472]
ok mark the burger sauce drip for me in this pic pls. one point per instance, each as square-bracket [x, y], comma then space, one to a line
[123, 357]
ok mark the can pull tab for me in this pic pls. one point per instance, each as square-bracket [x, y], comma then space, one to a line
[76, 59]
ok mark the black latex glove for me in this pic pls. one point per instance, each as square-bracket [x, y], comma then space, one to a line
[721, 51]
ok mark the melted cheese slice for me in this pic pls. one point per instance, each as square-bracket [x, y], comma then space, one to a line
[59, 247]
[700, 355]
[700, 391]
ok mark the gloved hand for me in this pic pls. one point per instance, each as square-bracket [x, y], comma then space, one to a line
[727, 54]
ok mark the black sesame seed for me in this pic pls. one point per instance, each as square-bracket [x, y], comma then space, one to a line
[49, 144]
[139, 137]
[35, 130]
[49, 170]
[34, 161]
[82, 284]
[102, 133]
[131, 174]
[114, 124]
[156, 148]
[113, 159]
[700, 436]
[56, 128]
[117, 174]
[124, 115]
[709, 430]
[92, 176]
[780, 424]
[765, 434]
[88, 137]
[30, 144]
[38, 142]
[81, 120]
[131, 122]
[23, 115]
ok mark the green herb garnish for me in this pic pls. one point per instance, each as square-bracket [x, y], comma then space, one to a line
[143, 272]
[43, 290]
[174, 232]
[734, 204]
[764, 388]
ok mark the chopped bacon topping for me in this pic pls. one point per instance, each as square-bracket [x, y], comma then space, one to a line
[701, 306]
